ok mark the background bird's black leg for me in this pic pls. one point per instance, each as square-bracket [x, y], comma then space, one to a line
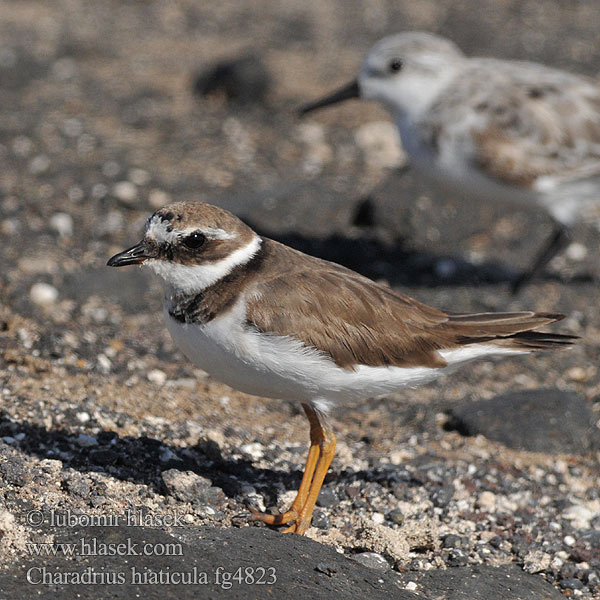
[556, 242]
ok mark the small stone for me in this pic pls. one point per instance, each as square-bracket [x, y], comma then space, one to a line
[372, 560]
[157, 376]
[187, 486]
[78, 485]
[411, 586]
[327, 569]
[456, 558]
[380, 144]
[327, 498]
[396, 516]
[43, 294]
[576, 251]
[158, 198]
[452, 540]
[571, 584]
[111, 168]
[14, 471]
[377, 518]
[86, 441]
[578, 374]
[579, 515]
[569, 540]
[320, 520]
[254, 450]
[104, 364]
[83, 417]
[62, 223]
[445, 268]
[244, 80]
[125, 191]
[138, 176]
[40, 164]
[487, 501]
[536, 561]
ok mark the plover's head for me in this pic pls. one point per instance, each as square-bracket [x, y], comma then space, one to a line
[404, 71]
[191, 245]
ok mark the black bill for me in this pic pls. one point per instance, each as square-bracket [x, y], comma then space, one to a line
[348, 91]
[135, 255]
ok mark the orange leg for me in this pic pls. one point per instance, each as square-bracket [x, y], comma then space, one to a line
[320, 455]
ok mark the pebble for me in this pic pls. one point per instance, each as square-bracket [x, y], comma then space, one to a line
[254, 450]
[580, 515]
[158, 198]
[43, 294]
[14, 471]
[411, 586]
[378, 518]
[86, 441]
[372, 560]
[83, 417]
[569, 540]
[157, 376]
[380, 144]
[487, 500]
[244, 79]
[576, 251]
[104, 364]
[188, 486]
[536, 561]
[7, 522]
[125, 191]
[40, 164]
[571, 584]
[445, 268]
[327, 498]
[138, 176]
[62, 223]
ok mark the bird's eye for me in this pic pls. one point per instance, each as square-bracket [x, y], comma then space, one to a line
[394, 65]
[194, 240]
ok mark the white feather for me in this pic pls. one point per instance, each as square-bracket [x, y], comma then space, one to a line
[282, 367]
[191, 279]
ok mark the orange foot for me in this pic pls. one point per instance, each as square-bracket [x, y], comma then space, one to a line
[320, 455]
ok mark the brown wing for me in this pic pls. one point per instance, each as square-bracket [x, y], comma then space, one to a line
[525, 121]
[356, 321]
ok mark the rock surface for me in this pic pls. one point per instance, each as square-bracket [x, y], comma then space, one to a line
[100, 413]
[543, 420]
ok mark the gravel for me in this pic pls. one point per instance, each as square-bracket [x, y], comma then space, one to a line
[100, 414]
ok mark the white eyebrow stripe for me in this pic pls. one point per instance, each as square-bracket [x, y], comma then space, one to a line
[162, 231]
[215, 233]
[192, 279]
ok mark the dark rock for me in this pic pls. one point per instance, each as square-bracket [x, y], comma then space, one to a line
[14, 471]
[187, 486]
[395, 516]
[452, 540]
[456, 558]
[77, 484]
[365, 214]
[543, 420]
[587, 547]
[320, 520]
[103, 457]
[302, 568]
[327, 498]
[571, 584]
[479, 582]
[442, 496]
[244, 80]
[372, 560]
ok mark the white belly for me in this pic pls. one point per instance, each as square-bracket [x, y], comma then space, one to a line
[282, 367]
